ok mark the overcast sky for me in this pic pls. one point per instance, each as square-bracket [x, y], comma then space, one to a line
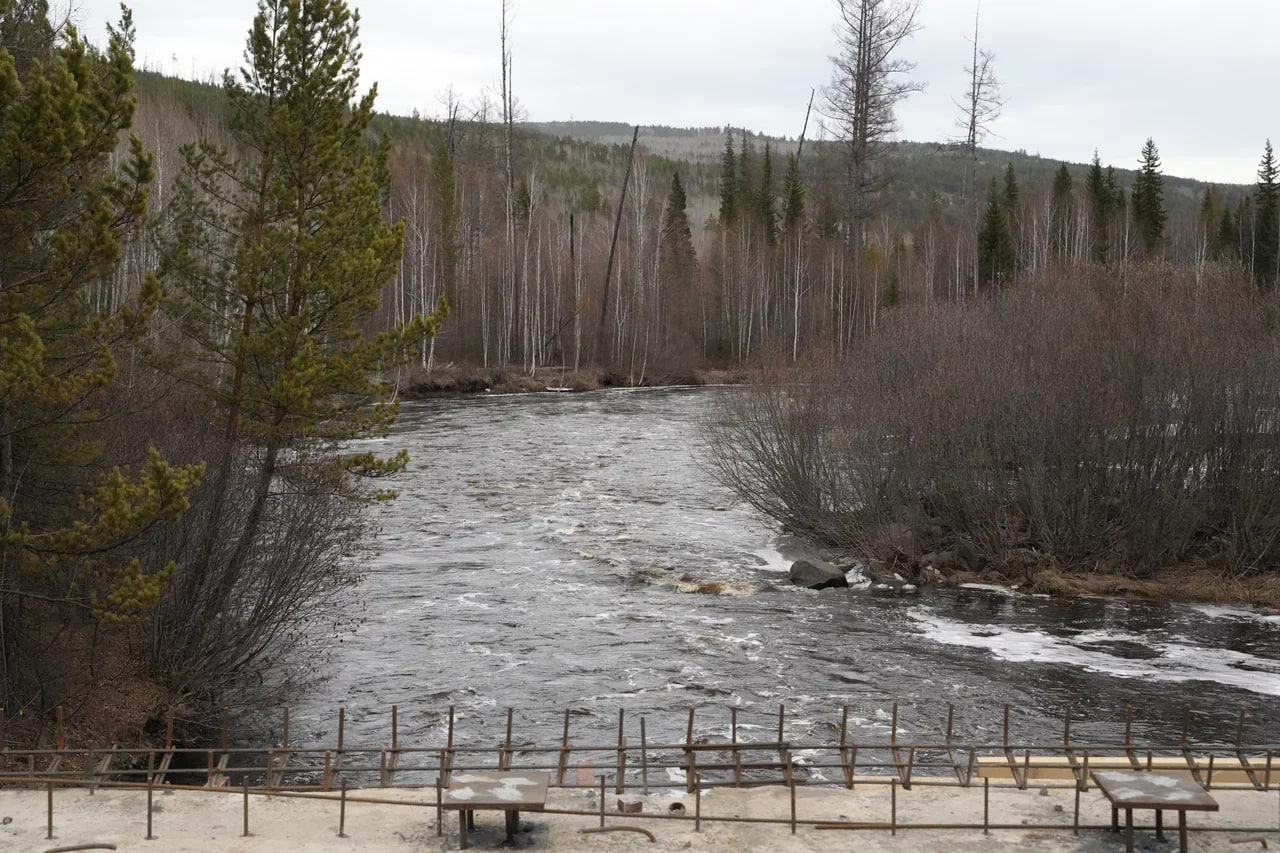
[1200, 77]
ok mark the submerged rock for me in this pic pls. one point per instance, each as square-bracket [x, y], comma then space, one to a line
[817, 575]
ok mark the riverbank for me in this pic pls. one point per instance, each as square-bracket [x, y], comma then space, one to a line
[465, 381]
[1182, 584]
[201, 822]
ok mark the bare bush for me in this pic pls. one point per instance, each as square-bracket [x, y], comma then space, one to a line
[1129, 425]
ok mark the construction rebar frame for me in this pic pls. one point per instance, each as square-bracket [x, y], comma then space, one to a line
[285, 770]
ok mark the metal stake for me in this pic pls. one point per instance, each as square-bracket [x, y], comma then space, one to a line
[342, 811]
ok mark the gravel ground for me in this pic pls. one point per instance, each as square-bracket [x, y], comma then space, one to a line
[202, 821]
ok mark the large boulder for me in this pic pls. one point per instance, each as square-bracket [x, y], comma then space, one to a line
[817, 574]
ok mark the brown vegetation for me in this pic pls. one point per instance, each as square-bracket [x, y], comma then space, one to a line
[1081, 423]
[450, 380]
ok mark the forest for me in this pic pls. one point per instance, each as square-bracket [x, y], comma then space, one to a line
[212, 293]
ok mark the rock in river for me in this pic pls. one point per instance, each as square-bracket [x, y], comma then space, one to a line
[817, 575]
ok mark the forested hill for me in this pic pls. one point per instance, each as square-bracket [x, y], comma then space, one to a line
[924, 170]
[530, 265]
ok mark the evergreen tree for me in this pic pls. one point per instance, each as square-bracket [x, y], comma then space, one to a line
[678, 261]
[1061, 206]
[746, 178]
[766, 203]
[995, 244]
[444, 198]
[1062, 185]
[792, 196]
[1100, 206]
[275, 266]
[1227, 241]
[728, 182]
[70, 197]
[1266, 253]
[1012, 194]
[1149, 214]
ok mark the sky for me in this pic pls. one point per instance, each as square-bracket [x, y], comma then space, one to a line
[1077, 75]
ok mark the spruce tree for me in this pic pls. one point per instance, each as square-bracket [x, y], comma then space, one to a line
[71, 195]
[995, 244]
[1149, 214]
[1266, 253]
[1227, 242]
[1100, 206]
[1061, 206]
[1062, 185]
[766, 203]
[746, 178]
[275, 268]
[728, 182]
[1012, 194]
[678, 261]
[792, 196]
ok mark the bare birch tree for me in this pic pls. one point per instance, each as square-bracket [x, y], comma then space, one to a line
[867, 84]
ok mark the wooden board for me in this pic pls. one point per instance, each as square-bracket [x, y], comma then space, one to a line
[508, 790]
[1129, 790]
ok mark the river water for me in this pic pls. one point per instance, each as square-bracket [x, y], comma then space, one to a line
[535, 559]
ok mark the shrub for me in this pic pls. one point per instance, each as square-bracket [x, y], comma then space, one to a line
[1131, 424]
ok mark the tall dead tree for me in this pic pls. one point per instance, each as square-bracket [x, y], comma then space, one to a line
[868, 82]
[509, 187]
[979, 109]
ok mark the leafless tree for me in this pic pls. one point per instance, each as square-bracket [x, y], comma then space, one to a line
[867, 84]
[979, 108]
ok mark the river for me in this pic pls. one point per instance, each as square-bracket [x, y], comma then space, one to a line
[534, 557]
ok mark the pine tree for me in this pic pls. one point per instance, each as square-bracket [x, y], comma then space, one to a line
[728, 182]
[70, 196]
[1266, 253]
[995, 244]
[766, 203]
[275, 266]
[1149, 214]
[792, 196]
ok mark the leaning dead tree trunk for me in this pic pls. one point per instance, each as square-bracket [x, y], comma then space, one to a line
[613, 250]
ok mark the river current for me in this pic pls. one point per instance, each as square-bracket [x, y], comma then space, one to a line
[546, 551]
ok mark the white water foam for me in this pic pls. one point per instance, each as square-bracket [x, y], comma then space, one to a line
[1173, 662]
[1242, 613]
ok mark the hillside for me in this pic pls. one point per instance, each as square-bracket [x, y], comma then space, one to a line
[924, 170]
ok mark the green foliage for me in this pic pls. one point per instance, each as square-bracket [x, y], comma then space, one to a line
[1012, 194]
[280, 251]
[766, 202]
[1062, 184]
[728, 183]
[792, 196]
[444, 201]
[1266, 253]
[65, 214]
[1149, 214]
[996, 256]
[678, 260]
